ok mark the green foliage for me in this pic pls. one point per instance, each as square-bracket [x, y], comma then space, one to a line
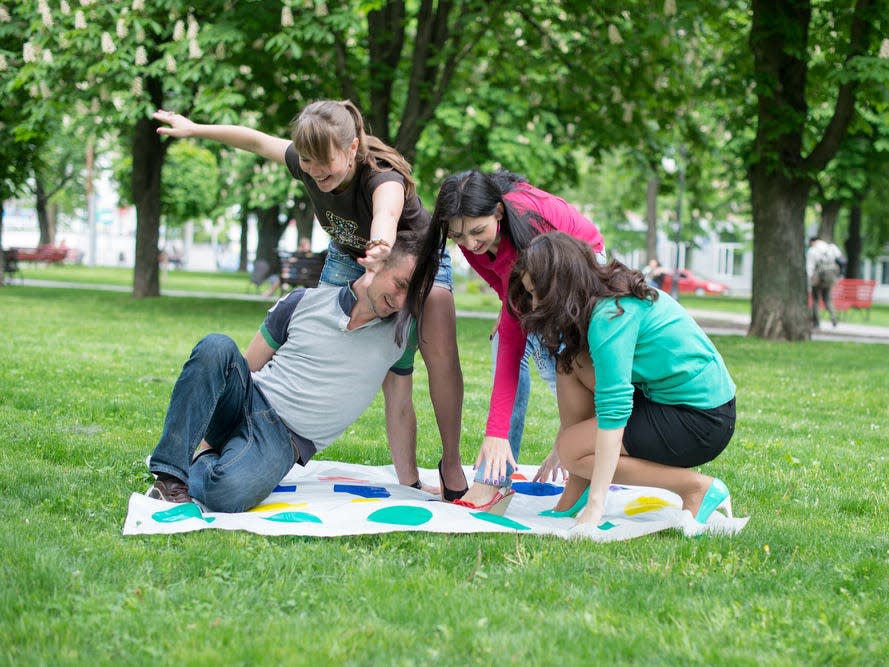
[191, 183]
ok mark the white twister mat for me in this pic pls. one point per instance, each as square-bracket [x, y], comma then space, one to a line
[329, 499]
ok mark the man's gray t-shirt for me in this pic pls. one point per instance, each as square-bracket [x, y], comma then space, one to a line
[323, 376]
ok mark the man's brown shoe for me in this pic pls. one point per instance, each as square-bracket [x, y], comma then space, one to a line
[171, 489]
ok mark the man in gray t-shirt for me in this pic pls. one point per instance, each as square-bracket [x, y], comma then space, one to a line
[314, 366]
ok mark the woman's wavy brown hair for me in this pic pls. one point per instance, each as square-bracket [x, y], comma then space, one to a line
[568, 282]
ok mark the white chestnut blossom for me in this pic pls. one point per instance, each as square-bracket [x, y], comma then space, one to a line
[286, 17]
[141, 56]
[193, 27]
[45, 13]
[79, 20]
[108, 44]
[29, 52]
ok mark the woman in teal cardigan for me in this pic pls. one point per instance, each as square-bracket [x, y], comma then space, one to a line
[643, 394]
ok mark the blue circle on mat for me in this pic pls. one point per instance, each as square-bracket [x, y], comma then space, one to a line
[537, 488]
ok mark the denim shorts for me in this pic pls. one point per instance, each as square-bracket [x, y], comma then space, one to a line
[340, 268]
[677, 435]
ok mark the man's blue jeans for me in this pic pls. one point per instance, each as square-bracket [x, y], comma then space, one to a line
[215, 399]
[546, 366]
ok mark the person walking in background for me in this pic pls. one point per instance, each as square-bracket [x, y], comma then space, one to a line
[237, 424]
[491, 217]
[362, 192]
[823, 270]
[643, 393]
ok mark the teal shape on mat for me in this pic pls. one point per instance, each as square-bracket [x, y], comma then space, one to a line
[181, 513]
[293, 517]
[499, 520]
[606, 526]
[401, 515]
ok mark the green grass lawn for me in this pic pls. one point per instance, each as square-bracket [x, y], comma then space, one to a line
[86, 376]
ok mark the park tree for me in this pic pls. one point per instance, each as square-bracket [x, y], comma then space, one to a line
[19, 144]
[791, 42]
[114, 62]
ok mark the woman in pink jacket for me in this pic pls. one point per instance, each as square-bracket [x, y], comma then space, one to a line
[491, 217]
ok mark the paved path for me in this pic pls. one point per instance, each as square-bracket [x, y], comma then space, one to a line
[712, 321]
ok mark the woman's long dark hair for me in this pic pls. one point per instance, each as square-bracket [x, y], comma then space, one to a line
[475, 194]
[414, 243]
[568, 282]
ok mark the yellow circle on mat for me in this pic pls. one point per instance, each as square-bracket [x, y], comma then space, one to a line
[644, 504]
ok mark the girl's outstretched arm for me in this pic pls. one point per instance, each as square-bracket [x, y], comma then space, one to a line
[236, 136]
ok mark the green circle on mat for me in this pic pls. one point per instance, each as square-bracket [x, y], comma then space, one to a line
[401, 515]
[499, 520]
[181, 513]
[293, 517]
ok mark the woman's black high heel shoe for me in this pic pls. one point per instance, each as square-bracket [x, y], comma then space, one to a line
[447, 494]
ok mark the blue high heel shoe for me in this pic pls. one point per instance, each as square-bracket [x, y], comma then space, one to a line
[717, 497]
[573, 510]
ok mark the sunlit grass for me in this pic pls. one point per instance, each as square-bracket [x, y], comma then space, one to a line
[86, 377]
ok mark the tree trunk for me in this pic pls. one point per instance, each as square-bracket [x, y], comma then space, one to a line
[304, 215]
[40, 203]
[830, 211]
[245, 228]
[269, 230]
[779, 308]
[148, 160]
[853, 242]
[52, 218]
[651, 218]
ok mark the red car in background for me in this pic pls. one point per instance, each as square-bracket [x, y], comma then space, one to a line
[689, 283]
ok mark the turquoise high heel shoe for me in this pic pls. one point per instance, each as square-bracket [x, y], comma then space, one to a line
[572, 511]
[717, 497]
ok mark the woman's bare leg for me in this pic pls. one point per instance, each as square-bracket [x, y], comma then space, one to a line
[576, 396]
[438, 345]
[576, 445]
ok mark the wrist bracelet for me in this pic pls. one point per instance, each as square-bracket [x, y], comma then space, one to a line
[375, 241]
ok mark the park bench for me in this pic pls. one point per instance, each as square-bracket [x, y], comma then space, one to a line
[855, 293]
[301, 271]
[46, 253]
